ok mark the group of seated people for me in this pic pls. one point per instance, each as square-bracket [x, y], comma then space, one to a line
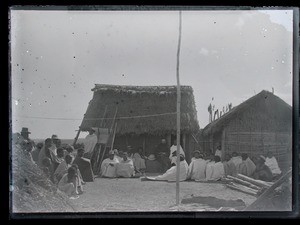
[65, 168]
[210, 167]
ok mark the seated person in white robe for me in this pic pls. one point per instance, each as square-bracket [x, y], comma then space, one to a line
[170, 174]
[217, 169]
[139, 161]
[236, 159]
[108, 166]
[271, 162]
[125, 167]
[197, 167]
[209, 167]
[247, 167]
[173, 150]
[229, 166]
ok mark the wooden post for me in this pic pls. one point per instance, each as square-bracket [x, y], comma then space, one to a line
[178, 114]
[184, 145]
[144, 144]
[77, 135]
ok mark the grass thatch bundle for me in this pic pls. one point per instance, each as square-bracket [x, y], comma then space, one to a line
[141, 109]
[31, 190]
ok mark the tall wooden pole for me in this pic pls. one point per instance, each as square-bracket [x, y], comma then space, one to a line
[178, 114]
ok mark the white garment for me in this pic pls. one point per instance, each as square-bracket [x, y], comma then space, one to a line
[273, 165]
[107, 170]
[209, 170]
[237, 160]
[90, 142]
[170, 174]
[174, 149]
[196, 169]
[125, 168]
[218, 171]
[218, 153]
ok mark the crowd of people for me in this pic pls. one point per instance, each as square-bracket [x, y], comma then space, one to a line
[71, 168]
[61, 163]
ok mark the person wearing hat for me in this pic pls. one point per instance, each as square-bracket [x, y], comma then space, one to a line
[170, 174]
[25, 133]
[90, 142]
[125, 167]
[108, 166]
[153, 165]
[262, 171]
[197, 167]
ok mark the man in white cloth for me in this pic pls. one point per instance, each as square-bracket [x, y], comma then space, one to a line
[210, 162]
[272, 163]
[170, 174]
[173, 153]
[197, 167]
[125, 167]
[247, 167]
[218, 151]
[90, 142]
[218, 169]
[236, 159]
[108, 166]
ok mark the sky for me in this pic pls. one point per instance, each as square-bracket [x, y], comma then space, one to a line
[58, 56]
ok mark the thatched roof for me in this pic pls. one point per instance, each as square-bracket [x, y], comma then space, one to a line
[141, 109]
[260, 102]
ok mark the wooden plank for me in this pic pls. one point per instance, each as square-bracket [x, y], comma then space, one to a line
[264, 195]
[244, 182]
[241, 190]
[259, 183]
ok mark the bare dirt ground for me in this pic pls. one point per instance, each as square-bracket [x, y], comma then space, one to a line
[132, 194]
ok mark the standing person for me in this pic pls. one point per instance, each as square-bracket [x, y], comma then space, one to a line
[25, 133]
[247, 167]
[108, 166]
[125, 167]
[55, 141]
[229, 167]
[197, 167]
[36, 151]
[272, 163]
[45, 152]
[162, 151]
[90, 142]
[173, 152]
[84, 166]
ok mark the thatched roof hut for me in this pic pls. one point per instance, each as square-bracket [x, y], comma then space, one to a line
[261, 123]
[142, 111]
